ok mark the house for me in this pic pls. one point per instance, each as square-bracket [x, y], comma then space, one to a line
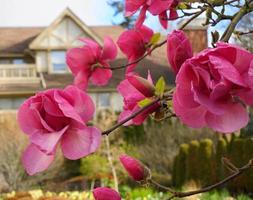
[32, 59]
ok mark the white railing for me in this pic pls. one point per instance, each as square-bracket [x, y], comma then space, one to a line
[22, 73]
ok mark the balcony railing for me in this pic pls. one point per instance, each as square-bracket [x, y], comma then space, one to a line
[22, 73]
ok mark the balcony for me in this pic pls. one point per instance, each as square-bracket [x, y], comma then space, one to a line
[18, 74]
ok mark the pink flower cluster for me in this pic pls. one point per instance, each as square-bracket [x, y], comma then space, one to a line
[92, 62]
[155, 7]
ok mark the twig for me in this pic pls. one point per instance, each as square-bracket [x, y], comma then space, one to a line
[237, 173]
[161, 186]
[107, 132]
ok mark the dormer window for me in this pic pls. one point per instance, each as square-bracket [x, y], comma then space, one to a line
[58, 62]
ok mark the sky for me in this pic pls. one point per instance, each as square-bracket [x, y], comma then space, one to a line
[26, 13]
[43, 12]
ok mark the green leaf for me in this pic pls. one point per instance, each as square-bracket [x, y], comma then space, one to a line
[160, 87]
[144, 102]
[155, 38]
[182, 6]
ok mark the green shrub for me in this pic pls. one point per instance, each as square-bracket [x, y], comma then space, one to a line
[179, 168]
[192, 172]
[221, 151]
[94, 167]
[206, 165]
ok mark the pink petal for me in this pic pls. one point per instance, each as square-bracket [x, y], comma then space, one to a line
[131, 6]
[123, 115]
[159, 6]
[78, 143]
[141, 17]
[227, 70]
[146, 33]
[163, 18]
[101, 76]
[103, 193]
[47, 142]
[35, 161]
[142, 85]
[28, 119]
[81, 102]
[134, 167]
[79, 59]
[75, 104]
[51, 107]
[81, 79]
[235, 118]
[93, 47]
[109, 50]
[193, 117]
[130, 94]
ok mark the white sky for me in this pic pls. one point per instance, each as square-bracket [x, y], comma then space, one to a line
[43, 12]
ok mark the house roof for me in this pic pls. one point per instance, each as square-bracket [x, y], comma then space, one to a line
[16, 40]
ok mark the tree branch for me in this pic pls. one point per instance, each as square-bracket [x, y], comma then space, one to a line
[237, 173]
[230, 29]
[107, 132]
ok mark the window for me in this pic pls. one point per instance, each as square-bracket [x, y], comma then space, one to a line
[58, 61]
[18, 61]
[104, 100]
[10, 103]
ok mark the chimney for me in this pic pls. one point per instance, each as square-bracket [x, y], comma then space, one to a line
[196, 33]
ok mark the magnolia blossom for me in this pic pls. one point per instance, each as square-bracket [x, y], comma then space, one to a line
[104, 193]
[134, 168]
[178, 49]
[155, 7]
[213, 87]
[135, 43]
[134, 89]
[92, 62]
[57, 117]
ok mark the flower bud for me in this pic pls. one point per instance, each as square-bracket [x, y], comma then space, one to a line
[135, 168]
[178, 49]
[104, 193]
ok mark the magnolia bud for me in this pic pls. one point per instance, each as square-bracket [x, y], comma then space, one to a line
[104, 193]
[135, 168]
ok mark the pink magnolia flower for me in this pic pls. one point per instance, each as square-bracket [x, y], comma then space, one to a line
[134, 168]
[212, 88]
[178, 49]
[104, 193]
[155, 7]
[134, 89]
[135, 43]
[92, 62]
[57, 117]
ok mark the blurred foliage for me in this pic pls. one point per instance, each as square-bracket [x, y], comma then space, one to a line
[203, 162]
[118, 6]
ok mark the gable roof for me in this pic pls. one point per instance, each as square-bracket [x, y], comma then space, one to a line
[35, 44]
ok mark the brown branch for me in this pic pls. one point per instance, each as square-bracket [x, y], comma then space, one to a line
[237, 173]
[107, 132]
[230, 29]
